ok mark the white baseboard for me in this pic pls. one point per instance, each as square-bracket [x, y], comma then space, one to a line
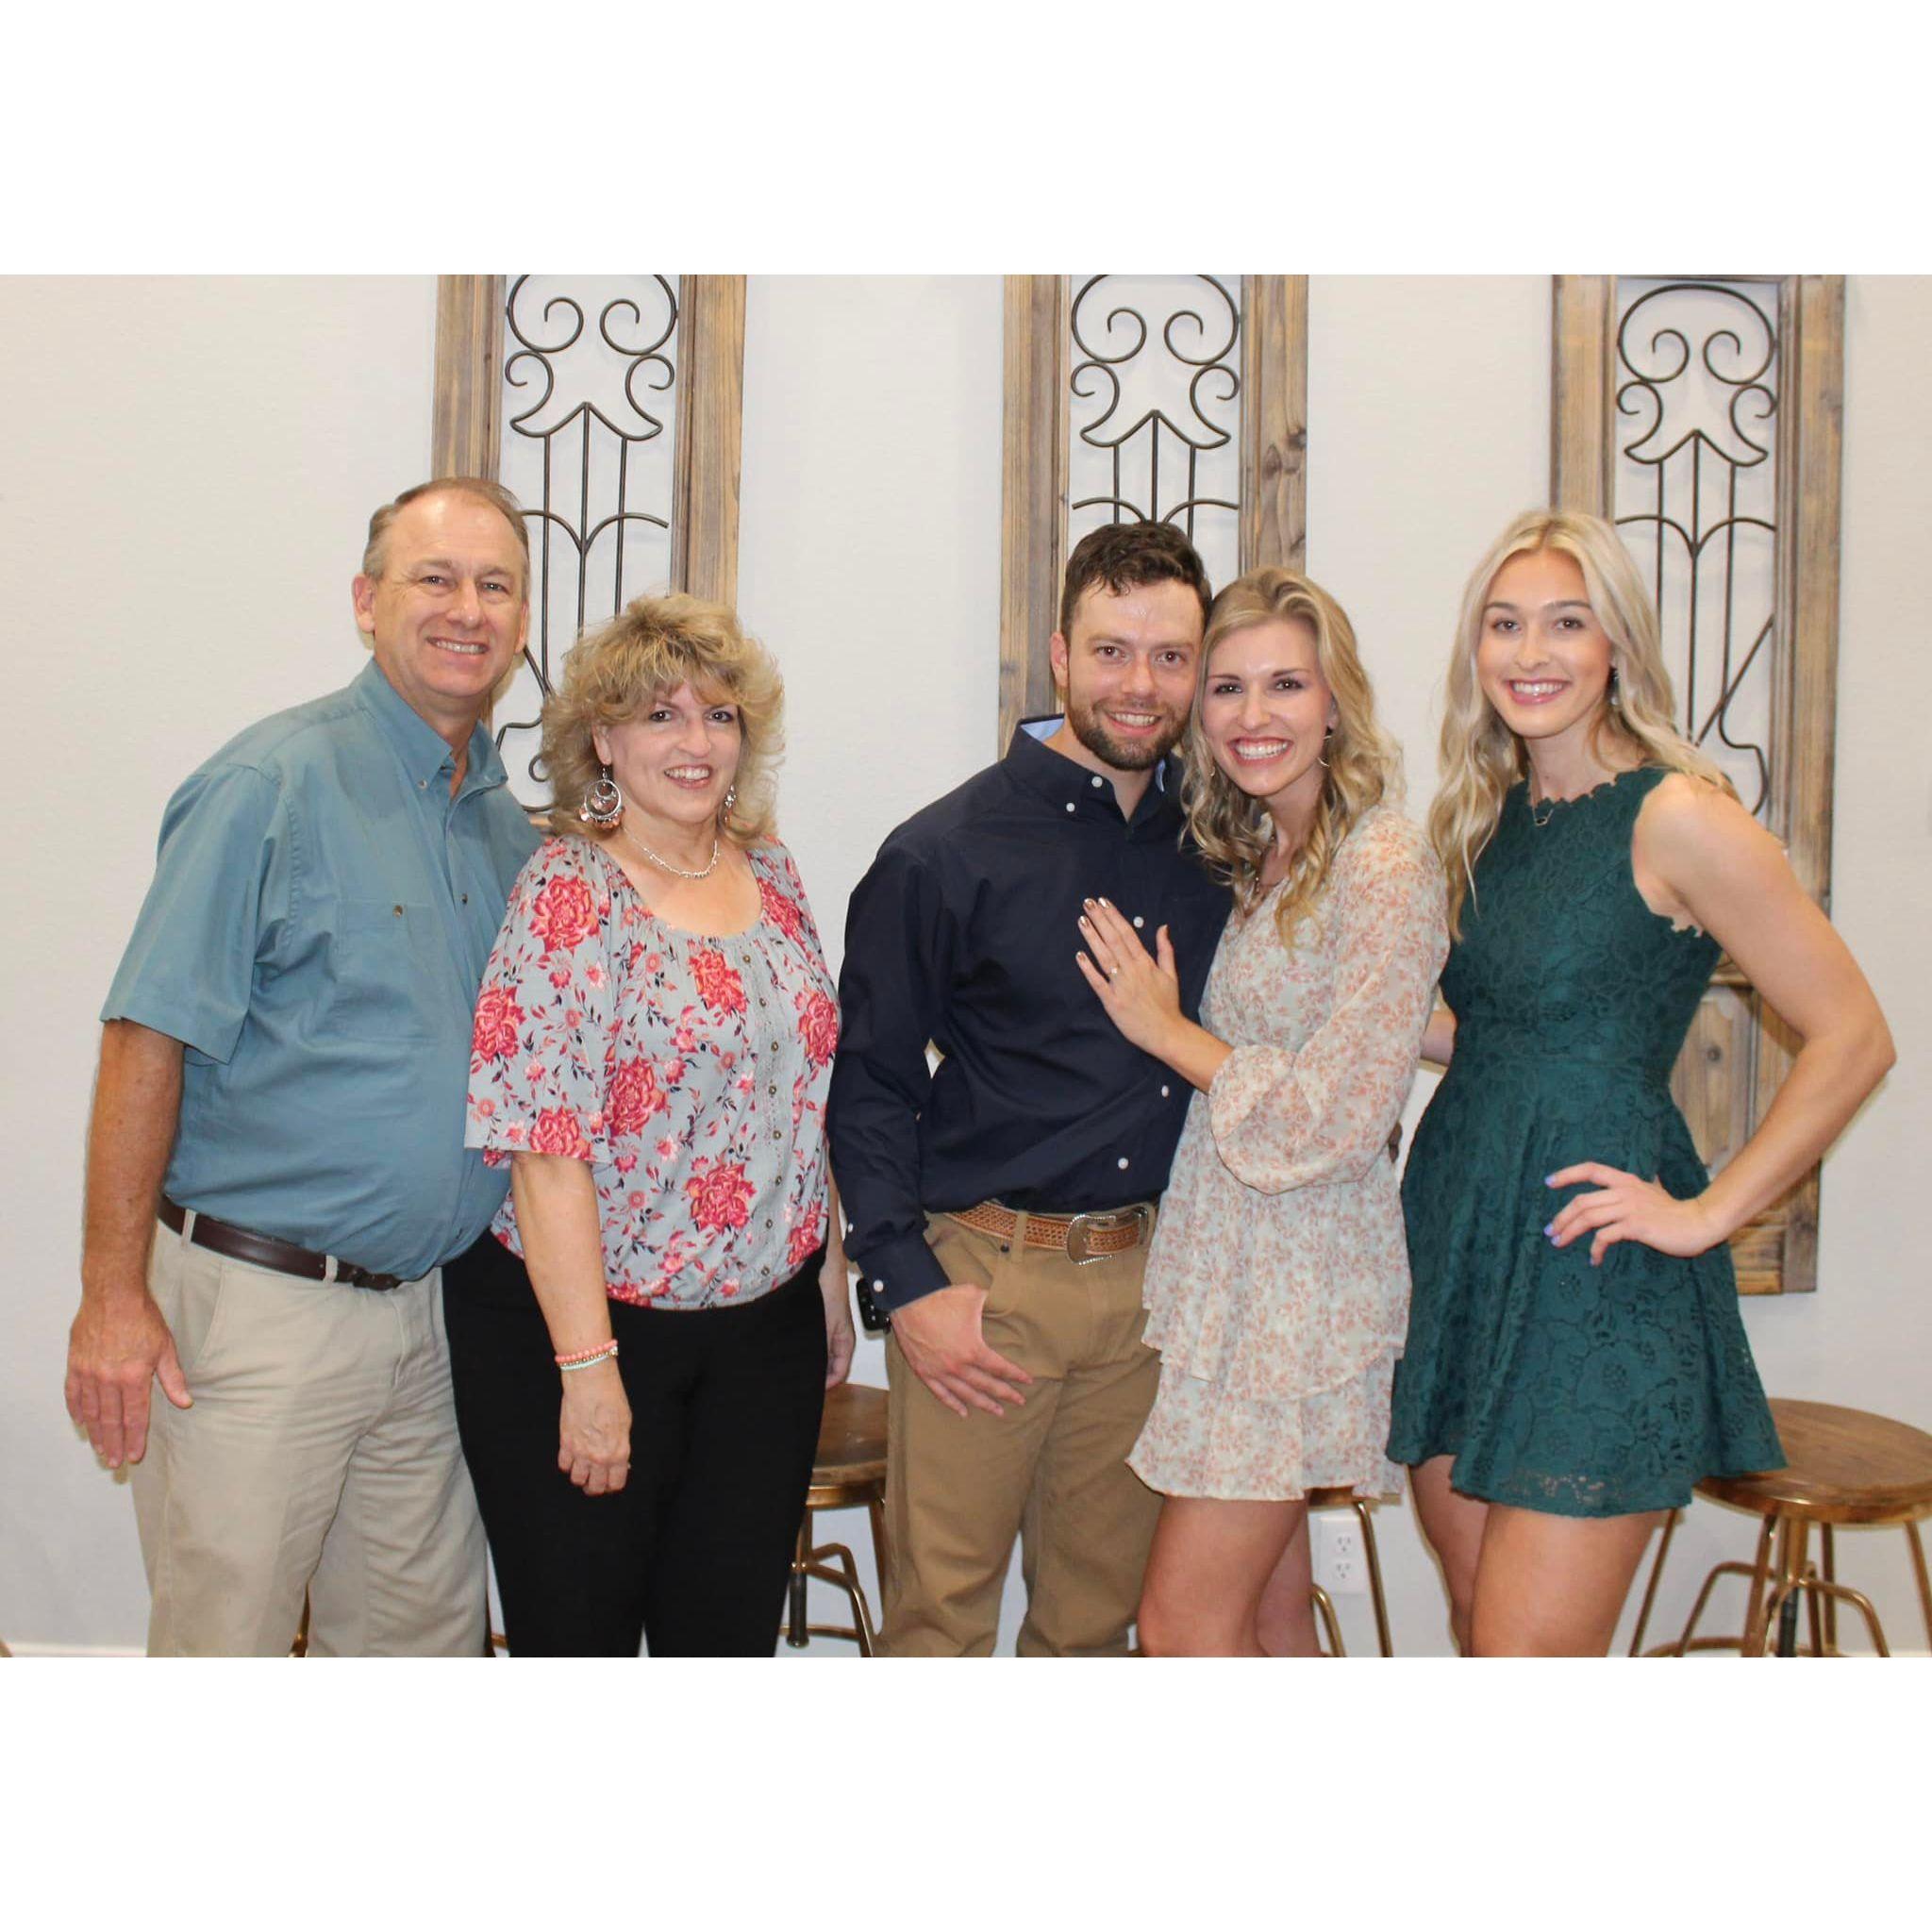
[73, 1650]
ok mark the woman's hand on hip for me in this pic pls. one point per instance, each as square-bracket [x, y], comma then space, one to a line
[1141, 994]
[1626, 1209]
[593, 1434]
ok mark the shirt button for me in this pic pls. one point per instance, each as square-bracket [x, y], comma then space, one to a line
[1122, 1161]
[1163, 1093]
[878, 1288]
[1098, 782]
[1070, 805]
[1139, 922]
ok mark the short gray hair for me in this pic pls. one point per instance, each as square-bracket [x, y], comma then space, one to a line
[375, 552]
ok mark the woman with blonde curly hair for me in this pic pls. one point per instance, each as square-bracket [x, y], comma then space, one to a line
[1277, 1283]
[642, 1343]
[1575, 1361]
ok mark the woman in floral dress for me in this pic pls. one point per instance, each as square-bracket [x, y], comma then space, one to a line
[642, 1343]
[1277, 1285]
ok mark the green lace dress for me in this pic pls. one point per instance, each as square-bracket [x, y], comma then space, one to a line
[1557, 1386]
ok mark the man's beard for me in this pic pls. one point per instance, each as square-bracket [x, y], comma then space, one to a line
[1133, 754]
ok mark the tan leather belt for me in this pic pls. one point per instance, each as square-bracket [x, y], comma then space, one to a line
[1080, 1237]
[264, 1250]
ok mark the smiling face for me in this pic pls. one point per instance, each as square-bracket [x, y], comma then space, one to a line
[675, 760]
[449, 613]
[1543, 658]
[1265, 714]
[1128, 670]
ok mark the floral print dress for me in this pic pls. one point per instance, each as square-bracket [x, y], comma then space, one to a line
[1278, 1283]
[690, 1070]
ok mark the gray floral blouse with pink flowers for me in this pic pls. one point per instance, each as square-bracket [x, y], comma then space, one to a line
[688, 1070]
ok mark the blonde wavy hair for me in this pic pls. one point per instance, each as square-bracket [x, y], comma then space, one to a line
[1481, 757]
[1233, 831]
[652, 645]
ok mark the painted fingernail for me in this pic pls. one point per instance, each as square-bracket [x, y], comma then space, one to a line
[1103, 902]
[1086, 902]
[1549, 1180]
[1550, 1230]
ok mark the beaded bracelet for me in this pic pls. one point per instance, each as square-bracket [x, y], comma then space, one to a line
[607, 1352]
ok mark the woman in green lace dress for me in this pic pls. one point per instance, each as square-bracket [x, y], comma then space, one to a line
[1575, 1361]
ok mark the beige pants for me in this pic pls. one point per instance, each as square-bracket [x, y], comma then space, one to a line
[1052, 1472]
[319, 1457]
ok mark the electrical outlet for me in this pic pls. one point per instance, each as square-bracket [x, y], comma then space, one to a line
[1342, 1565]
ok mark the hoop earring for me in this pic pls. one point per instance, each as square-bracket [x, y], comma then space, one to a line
[1325, 737]
[603, 803]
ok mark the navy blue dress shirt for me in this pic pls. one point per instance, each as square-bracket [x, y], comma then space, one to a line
[963, 933]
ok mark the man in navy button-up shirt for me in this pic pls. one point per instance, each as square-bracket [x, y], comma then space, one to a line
[1017, 1377]
[282, 1080]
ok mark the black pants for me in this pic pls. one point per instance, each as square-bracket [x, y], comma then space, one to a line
[693, 1551]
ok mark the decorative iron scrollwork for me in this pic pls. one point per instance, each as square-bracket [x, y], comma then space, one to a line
[1157, 439]
[1696, 363]
[586, 449]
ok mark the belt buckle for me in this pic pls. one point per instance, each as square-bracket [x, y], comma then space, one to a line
[1080, 1226]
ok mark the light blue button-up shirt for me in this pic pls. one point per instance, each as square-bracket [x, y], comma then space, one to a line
[315, 934]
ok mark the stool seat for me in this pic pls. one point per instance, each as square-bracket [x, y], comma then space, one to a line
[1843, 1466]
[852, 1444]
[849, 1468]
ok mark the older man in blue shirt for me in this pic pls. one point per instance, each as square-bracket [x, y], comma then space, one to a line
[276, 1165]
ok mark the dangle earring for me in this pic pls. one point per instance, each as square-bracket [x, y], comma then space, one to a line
[1615, 701]
[730, 799]
[603, 803]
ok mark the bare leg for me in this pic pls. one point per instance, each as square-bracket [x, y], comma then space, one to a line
[1209, 1563]
[1284, 1623]
[1453, 1524]
[1553, 1585]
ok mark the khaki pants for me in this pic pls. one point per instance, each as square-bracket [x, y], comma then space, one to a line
[1052, 1472]
[319, 1456]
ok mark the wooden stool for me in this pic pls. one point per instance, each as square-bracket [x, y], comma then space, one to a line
[1844, 1466]
[1324, 1606]
[850, 1468]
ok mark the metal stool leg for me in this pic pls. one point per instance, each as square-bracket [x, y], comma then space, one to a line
[796, 1631]
[1919, 1570]
[1325, 1607]
[1752, 1643]
[876, 1509]
[1657, 1569]
[1793, 1534]
[1377, 1595]
[1815, 1587]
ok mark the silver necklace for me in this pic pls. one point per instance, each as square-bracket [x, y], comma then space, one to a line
[665, 865]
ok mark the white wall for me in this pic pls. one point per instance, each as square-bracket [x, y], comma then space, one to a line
[276, 414]
[186, 478]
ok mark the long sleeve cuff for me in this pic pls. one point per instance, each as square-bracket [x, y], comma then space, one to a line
[901, 1271]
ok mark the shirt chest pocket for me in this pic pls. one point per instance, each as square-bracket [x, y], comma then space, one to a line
[390, 978]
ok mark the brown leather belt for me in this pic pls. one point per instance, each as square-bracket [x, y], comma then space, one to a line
[1080, 1237]
[264, 1250]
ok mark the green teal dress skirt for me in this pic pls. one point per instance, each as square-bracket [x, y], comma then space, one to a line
[1557, 1386]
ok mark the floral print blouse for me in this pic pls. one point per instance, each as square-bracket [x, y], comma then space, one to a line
[690, 1070]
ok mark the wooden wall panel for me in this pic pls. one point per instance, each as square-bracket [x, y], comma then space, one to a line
[711, 436]
[466, 422]
[1274, 421]
[1033, 513]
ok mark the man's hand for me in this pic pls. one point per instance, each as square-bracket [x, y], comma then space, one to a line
[941, 1338]
[117, 1346]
